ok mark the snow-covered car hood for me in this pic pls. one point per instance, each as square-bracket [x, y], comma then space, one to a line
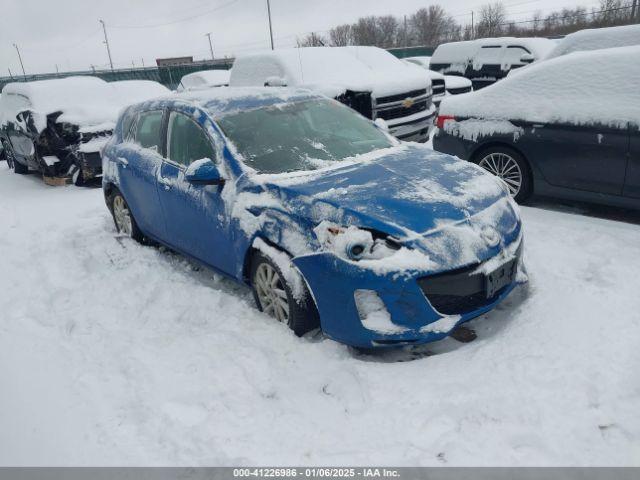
[424, 199]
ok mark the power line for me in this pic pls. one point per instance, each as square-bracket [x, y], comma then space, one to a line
[185, 19]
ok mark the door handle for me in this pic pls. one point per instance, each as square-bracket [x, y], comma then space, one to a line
[167, 184]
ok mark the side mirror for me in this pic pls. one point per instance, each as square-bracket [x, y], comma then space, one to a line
[382, 124]
[527, 58]
[275, 82]
[203, 172]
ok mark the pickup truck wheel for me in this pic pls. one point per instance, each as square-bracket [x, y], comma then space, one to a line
[123, 218]
[511, 167]
[274, 297]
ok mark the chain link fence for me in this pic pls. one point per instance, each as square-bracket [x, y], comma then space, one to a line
[169, 76]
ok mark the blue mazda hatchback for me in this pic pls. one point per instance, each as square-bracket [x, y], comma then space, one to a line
[333, 223]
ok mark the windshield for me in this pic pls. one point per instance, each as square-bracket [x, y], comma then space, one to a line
[301, 136]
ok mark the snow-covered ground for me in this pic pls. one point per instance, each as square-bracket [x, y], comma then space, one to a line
[116, 354]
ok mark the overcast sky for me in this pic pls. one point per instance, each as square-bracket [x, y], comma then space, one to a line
[67, 32]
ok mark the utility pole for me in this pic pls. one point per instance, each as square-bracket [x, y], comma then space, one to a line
[57, 70]
[473, 32]
[21, 64]
[633, 10]
[210, 44]
[270, 26]
[106, 42]
[406, 39]
[142, 62]
[10, 74]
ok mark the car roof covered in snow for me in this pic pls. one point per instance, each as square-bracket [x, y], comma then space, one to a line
[329, 70]
[596, 39]
[222, 101]
[457, 52]
[205, 78]
[566, 89]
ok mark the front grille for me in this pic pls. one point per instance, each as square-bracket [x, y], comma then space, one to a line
[457, 91]
[438, 86]
[401, 111]
[459, 291]
[457, 305]
[401, 96]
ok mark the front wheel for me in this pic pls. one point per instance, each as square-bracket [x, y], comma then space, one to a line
[274, 297]
[511, 167]
[123, 218]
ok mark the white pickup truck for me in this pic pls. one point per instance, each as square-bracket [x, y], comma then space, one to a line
[368, 79]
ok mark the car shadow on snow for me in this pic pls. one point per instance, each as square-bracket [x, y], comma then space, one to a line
[586, 209]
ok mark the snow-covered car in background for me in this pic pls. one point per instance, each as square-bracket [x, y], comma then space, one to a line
[442, 84]
[596, 39]
[368, 79]
[58, 127]
[332, 222]
[487, 60]
[560, 128]
[205, 79]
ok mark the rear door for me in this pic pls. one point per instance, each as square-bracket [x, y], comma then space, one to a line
[138, 161]
[632, 182]
[194, 214]
[588, 158]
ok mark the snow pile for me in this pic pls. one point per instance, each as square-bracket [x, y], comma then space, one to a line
[134, 356]
[453, 82]
[205, 79]
[134, 91]
[598, 87]
[330, 71]
[597, 39]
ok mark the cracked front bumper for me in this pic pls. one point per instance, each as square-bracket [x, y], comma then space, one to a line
[334, 281]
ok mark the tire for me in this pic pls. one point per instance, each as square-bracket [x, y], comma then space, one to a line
[78, 177]
[510, 166]
[123, 218]
[302, 315]
[18, 167]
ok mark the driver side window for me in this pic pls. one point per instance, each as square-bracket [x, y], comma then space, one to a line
[187, 142]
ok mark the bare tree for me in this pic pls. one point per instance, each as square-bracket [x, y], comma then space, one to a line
[365, 31]
[341, 36]
[388, 31]
[492, 20]
[432, 25]
[312, 40]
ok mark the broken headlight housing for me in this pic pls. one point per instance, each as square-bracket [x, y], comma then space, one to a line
[353, 243]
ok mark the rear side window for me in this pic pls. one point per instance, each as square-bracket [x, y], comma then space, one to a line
[187, 142]
[149, 130]
[489, 55]
[513, 55]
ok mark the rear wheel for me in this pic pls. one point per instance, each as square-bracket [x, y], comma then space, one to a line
[511, 167]
[123, 218]
[274, 297]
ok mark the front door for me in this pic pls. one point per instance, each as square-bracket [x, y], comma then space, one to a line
[194, 214]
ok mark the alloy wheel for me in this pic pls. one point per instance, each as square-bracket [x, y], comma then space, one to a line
[506, 168]
[271, 293]
[122, 216]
